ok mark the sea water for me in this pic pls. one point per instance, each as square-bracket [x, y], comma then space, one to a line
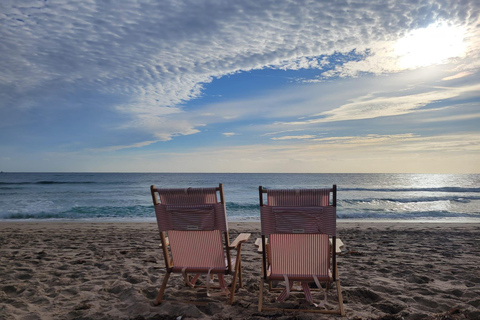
[126, 196]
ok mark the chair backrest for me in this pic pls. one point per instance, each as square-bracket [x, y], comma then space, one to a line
[189, 209]
[298, 223]
[195, 220]
[298, 211]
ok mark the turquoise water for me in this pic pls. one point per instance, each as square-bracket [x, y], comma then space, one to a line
[126, 196]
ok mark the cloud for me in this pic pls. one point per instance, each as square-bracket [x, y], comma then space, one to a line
[458, 75]
[459, 117]
[115, 148]
[155, 57]
[367, 140]
[439, 43]
[279, 132]
[302, 63]
[306, 136]
[369, 153]
[369, 107]
[229, 134]
[162, 128]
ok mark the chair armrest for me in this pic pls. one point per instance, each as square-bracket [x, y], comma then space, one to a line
[241, 238]
[258, 244]
[338, 245]
[338, 242]
[166, 241]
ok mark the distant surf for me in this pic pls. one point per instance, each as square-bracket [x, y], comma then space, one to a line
[126, 196]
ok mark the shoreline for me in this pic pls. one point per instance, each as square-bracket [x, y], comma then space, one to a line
[339, 221]
[113, 270]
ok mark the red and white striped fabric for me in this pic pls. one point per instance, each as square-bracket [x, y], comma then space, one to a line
[298, 197]
[299, 256]
[190, 209]
[191, 217]
[298, 224]
[187, 196]
[298, 220]
[298, 211]
[197, 251]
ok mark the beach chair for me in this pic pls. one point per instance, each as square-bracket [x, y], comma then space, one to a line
[298, 244]
[194, 238]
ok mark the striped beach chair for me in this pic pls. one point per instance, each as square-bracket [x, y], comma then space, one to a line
[298, 234]
[194, 238]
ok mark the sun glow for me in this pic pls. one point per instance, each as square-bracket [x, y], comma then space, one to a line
[432, 45]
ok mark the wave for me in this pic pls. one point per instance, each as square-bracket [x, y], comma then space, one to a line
[48, 182]
[467, 199]
[86, 212]
[430, 215]
[442, 189]
[244, 211]
[136, 211]
[242, 207]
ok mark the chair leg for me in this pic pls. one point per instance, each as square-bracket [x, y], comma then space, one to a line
[240, 278]
[260, 296]
[232, 288]
[162, 289]
[340, 298]
[238, 273]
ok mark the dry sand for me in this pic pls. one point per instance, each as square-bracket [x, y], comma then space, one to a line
[105, 270]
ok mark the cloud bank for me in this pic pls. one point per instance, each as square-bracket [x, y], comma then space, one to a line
[151, 58]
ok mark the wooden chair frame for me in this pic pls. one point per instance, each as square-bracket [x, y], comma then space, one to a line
[236, 244]
[265, 265]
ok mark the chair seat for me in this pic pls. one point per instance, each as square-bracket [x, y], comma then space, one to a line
[299, 255]
[300, 277]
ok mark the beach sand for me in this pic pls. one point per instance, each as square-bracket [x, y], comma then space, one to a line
[81, 270]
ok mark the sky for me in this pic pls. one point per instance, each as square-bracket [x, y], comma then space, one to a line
[240, 86]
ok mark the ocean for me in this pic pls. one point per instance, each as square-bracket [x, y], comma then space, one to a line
[126, 196]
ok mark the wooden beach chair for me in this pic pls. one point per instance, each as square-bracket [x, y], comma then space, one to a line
[298, 234]
[194, 238]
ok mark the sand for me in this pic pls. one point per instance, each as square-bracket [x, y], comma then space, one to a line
[81, 270]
